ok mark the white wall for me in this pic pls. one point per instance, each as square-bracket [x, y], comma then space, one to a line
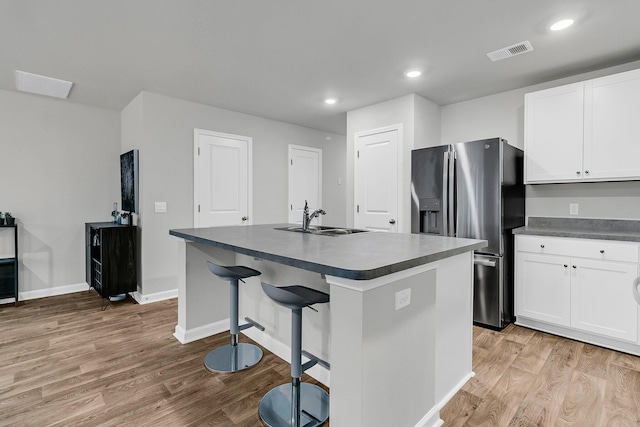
[59, 168]
[166, 172]
[503, 115]
[420, 119]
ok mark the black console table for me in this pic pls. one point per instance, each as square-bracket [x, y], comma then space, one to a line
[9, 270]
[111, 258]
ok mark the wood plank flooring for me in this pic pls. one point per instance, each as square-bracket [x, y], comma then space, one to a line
[529, 378]
[64, 362]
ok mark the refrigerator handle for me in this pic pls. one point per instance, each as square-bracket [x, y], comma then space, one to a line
[451, 209]
[445, 194]
[483, 261]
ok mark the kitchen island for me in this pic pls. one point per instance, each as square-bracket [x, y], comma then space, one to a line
[397, 330]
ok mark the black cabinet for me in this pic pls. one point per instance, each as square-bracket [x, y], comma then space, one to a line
[111, 252]
[9, 269]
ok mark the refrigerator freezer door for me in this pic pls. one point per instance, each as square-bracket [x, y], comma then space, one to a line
[488, 295]
[479, 192]
[427, 209]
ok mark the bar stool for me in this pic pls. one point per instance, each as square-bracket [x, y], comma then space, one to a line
[296, 404]
[235, 356]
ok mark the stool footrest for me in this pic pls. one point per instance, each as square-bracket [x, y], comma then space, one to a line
[313, 360]
[250, 324]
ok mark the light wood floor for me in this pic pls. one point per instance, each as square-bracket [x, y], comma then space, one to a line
[529, 378]
[63, 362]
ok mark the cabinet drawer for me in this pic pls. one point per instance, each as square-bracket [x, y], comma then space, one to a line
[582, 248]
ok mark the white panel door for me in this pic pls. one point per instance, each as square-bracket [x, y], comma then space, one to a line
[553, 135]
[376, 180]
[543, 288]
[601, 299]
[305, 181]
[222, 183]
[612, 127]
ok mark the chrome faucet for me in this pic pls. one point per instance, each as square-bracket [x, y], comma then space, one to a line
[306, 218]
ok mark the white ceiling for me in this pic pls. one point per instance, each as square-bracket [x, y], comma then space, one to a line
[280, 58]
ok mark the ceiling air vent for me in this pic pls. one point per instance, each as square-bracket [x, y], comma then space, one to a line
[509, 51]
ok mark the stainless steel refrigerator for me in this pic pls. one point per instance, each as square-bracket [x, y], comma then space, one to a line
[474, 190]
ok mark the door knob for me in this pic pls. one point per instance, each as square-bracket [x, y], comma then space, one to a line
[392, 221]
[244, 218]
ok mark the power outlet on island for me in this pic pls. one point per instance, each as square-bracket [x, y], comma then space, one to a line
[573, 209]
[403, 298]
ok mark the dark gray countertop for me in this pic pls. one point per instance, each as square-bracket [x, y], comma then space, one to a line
[360, 256]
[583, 228]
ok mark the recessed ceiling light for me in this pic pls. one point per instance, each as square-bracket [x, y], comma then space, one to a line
[330, 101]
[561, 25]
[413, 74]
[42, 85]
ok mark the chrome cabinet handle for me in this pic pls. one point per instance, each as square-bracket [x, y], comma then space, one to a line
[392, 221]
[577, 172]
[244, 218]
[586, 172]
[542, 246]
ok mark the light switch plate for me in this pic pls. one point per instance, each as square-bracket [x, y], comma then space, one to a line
[160, 207]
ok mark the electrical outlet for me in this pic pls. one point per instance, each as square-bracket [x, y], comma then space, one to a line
[403, 298]
[573, 209]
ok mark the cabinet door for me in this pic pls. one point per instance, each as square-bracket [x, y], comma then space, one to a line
[612, 127]
[601, 298]
[543, 288]
[553, 135]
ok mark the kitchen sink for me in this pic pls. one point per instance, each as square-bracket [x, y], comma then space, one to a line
[324, 230]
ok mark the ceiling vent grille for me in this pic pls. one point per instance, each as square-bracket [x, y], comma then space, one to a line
[509, 51]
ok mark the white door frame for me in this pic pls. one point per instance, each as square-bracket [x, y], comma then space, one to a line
[317, 150]
[400, 199]
[196, 134]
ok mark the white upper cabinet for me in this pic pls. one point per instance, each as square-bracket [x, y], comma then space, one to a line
[554, 134]
[587, 131]
[612, 127]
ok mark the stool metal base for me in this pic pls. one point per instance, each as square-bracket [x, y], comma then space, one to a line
[230, 358]
[275, 406]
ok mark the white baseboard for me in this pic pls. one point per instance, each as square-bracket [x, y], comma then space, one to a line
[79, 287]
[155, 297]
[283, 351]
[195, 334]
[456, 389]
[50, 292]
[278, 348]
[431, 419]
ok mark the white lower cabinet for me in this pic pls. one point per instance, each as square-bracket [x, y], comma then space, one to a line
[544, 288]
[579, 288]
[601, 299]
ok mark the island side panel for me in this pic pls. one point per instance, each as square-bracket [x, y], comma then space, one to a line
[454, 332]
[383, 359]
[203, 298]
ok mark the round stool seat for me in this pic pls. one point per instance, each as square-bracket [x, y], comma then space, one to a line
[275, 406]
[233, 272]
[232, 358]
[294, 296]
[235, 356]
